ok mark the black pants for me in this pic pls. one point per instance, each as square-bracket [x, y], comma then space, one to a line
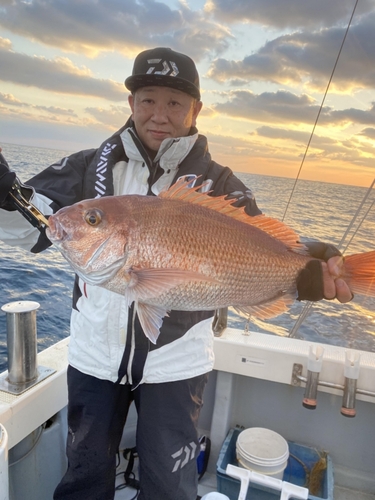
[167, 441]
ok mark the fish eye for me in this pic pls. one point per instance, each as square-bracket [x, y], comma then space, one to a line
[93, 217]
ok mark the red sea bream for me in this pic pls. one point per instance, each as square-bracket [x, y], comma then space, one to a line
[185, 250]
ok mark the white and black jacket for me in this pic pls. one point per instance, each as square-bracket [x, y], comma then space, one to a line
[102, 342]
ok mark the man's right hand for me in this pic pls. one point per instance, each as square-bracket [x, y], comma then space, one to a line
[7, 179]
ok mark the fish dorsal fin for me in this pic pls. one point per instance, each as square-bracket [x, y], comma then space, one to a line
[221, 204]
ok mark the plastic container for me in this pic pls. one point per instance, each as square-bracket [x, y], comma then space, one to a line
[214, 496]
[301, 462]
[262, 450]
[4, 463]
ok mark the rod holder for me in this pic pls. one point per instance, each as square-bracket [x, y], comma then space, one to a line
[351, 373]
[314, 366]
[23, 371]
[21, 341]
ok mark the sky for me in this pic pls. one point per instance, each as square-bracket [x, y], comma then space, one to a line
[264, 68]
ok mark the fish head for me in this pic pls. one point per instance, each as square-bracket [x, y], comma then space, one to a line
[92, 236]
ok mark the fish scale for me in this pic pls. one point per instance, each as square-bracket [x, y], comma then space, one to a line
[185, 250]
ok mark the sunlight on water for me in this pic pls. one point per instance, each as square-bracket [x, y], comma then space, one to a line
[320, 211]
[46, 277]
[317, 211]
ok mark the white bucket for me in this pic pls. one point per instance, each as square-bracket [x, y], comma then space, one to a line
[215, 496]
[262, 450]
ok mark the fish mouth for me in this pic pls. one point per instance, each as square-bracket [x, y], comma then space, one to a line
[55, 231]
[57, 234]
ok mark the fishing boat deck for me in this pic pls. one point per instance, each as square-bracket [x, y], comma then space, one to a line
[252, 379]
[247, 364]
[208, 484]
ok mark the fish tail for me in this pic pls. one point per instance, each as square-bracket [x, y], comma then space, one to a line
[359, 273]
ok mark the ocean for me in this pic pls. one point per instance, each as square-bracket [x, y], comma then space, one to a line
[317, 210]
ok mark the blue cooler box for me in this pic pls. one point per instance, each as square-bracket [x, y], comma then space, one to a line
[301, 460]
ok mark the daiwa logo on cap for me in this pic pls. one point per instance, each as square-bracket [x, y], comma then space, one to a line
[168, 69]
[164, 67]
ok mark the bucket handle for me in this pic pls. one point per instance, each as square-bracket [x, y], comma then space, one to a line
[287, 490]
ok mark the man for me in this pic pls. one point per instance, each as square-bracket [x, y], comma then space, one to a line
[111, 363]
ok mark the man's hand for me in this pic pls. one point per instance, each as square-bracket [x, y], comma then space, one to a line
[322, 280]
[7, 179]
[334, 287]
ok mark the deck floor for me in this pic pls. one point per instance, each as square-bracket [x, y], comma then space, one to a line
[207, 483]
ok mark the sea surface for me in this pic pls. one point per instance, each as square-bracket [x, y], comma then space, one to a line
[317, 210]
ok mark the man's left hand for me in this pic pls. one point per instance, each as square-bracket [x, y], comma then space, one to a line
[334, 287]
[321, 279]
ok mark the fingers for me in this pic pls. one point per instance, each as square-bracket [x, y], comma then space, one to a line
[334, 285]
[343, 292]
[335, 266]
[329, 287]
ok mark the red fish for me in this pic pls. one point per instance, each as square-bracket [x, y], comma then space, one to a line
[185, 250]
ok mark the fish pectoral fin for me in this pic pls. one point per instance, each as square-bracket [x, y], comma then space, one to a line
[269, 309]
[153, 282]
[151, 319]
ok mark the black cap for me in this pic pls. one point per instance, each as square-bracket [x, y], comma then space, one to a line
[166, 68]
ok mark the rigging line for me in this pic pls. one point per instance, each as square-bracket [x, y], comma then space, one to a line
[357, 229]
[307, 307]
[355, 216]
[319, 112]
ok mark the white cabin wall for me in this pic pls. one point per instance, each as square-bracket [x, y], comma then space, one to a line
[38, 462]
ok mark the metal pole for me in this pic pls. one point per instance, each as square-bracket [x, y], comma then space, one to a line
[22, 341]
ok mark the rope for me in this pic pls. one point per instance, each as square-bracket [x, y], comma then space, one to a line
[320, 110]
[355, 216]
[307, 307]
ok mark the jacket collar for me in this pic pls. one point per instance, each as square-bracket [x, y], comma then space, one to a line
[171, 153]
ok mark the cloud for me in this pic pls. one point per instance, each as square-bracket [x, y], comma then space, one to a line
[308, 58]
[5, 43]
[368, 133]
[10, 100]
[111, 118]
[281, 133]
[297, 136]
[292, 14]
[353, 115]
[281, 146]
[55, 75]
[54, 110]
[32, 114]
[114, 117]
[93, 26]
[268, 107]
[288, 108]
[321, 147]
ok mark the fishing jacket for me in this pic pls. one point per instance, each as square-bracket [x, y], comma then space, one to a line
[106, 339]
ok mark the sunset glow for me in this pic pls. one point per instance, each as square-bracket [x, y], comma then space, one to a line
[264, 67]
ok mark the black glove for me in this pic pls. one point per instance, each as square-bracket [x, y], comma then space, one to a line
[310, 279]
[7, 179]
[310, 282]
[323, 251]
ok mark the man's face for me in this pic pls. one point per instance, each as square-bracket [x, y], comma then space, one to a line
[160, 113]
